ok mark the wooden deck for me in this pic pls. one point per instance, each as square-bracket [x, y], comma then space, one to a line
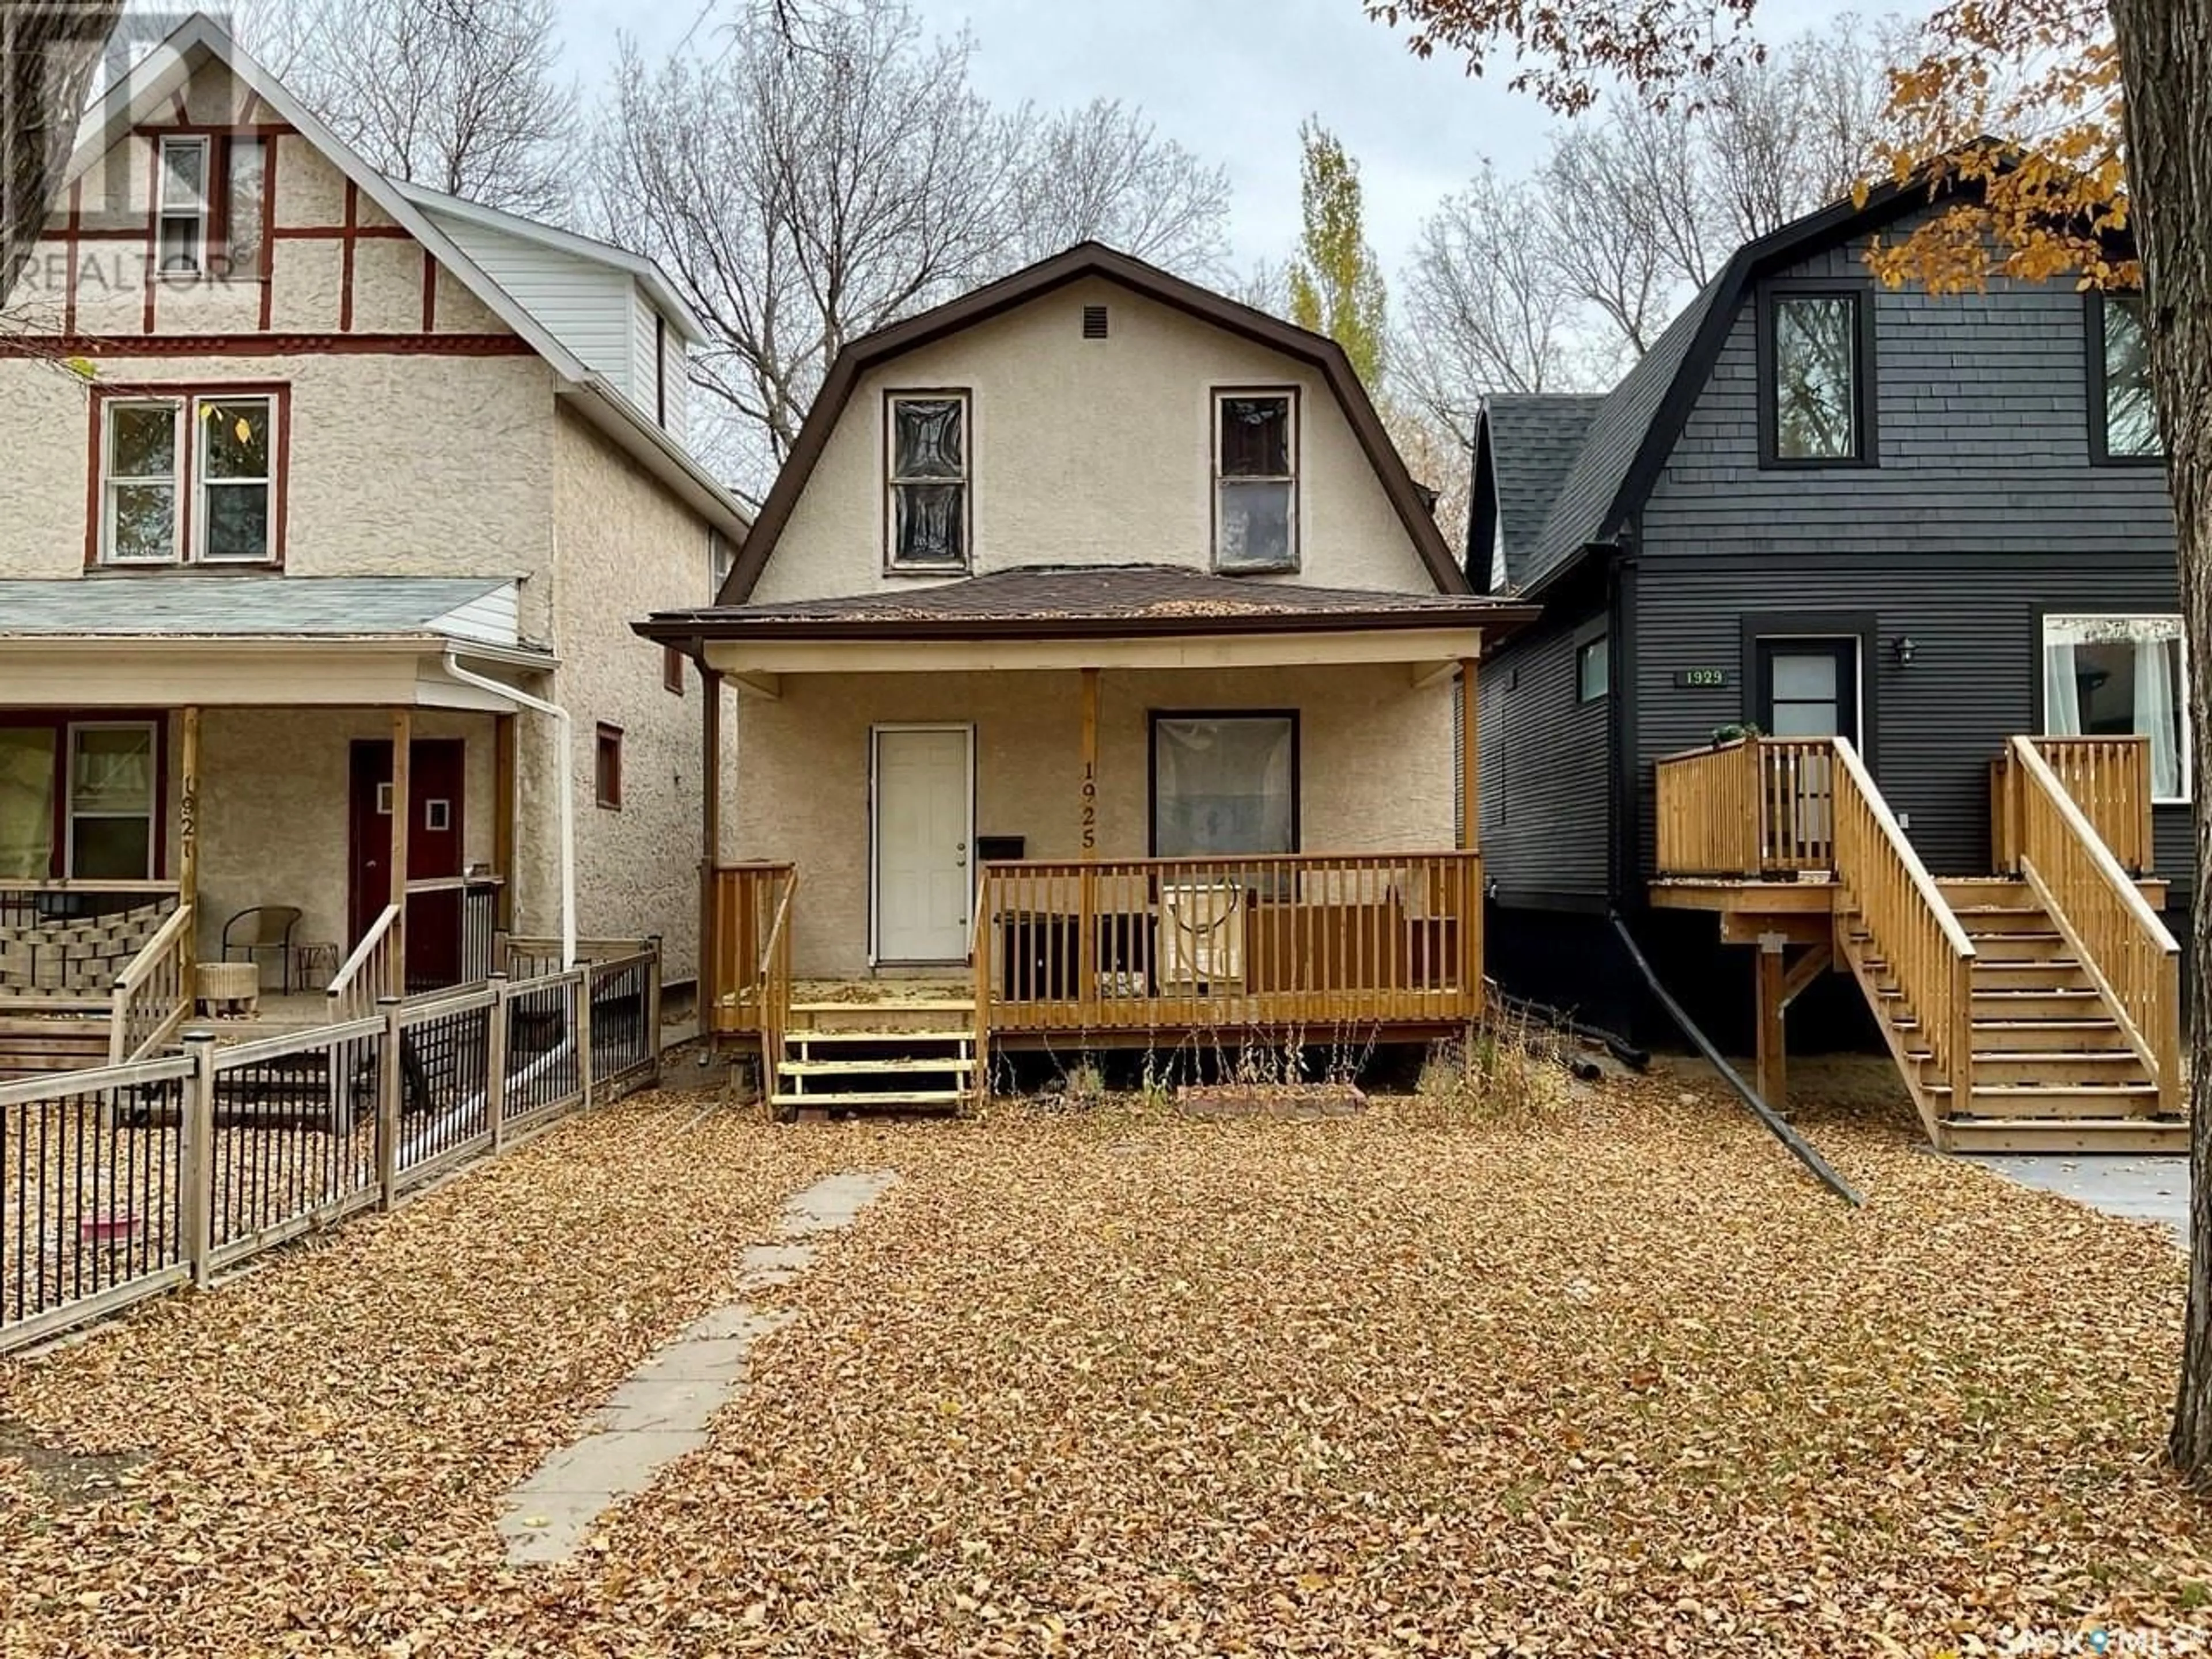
[2034, 1009]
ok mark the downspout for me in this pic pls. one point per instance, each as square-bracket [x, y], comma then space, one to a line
[468, 677]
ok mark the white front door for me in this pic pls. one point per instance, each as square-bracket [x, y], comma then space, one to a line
[923, 832]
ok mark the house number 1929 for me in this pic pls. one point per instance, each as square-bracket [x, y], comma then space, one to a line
[1701, 678]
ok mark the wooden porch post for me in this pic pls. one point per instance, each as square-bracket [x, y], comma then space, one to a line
[1087, 945]
[1470, 840]
[403, 737]
[503, 820]
[710, 844]
[1773, 1032]
[188, 839]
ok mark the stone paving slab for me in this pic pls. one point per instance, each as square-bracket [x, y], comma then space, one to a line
[661, 1412]
[2136, 1188]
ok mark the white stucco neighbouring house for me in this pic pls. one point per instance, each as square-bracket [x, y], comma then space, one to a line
[309, 471]
[1098, 658]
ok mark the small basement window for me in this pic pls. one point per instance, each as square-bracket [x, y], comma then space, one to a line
[607, 767]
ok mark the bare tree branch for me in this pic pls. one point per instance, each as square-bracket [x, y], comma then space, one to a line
[48, 51]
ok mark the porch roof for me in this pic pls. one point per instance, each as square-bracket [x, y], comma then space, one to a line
[224, 605]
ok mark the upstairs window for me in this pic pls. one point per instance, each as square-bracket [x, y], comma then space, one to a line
[1815, 365]
[2123, 420]
[189, 477]
[1593, 668]
[245, 177]
[1255, 488]
[928, 451]
[182, 206]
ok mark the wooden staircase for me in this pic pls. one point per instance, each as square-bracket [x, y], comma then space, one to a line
[2053, 1068]
[37, 1037]
[913, 1052]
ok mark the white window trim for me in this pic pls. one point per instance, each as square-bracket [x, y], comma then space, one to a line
[892, 563]
[110, 481]
[2188, 795]
[70, 814]
[204, 481]
[166, 209]
[1294, 553]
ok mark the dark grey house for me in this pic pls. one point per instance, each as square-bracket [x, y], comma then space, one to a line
[1818, 506]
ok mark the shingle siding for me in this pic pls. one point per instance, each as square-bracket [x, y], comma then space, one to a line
[1985, 509]
[1543, 770]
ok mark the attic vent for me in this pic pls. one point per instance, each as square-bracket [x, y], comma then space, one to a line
[1094, 322]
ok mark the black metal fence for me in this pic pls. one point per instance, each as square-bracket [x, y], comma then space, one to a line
[126, 1181]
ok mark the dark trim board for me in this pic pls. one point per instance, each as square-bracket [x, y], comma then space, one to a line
[1865, 626]
[1152, 719]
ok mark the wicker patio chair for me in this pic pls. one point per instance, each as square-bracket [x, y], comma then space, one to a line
[261, 928]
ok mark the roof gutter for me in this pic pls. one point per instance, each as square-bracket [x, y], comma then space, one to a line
[688, 627]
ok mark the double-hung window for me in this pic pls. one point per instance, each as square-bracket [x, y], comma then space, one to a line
[2115, 676]
[927, 513]
[1255, 485]
[182, 206]
[189, 477]
[1815, 364]
[78, 799]
[2123, 421]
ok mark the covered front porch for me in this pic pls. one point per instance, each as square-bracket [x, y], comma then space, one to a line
[271, 834]
[1087, 817]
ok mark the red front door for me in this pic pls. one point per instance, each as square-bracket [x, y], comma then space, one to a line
[437, 767]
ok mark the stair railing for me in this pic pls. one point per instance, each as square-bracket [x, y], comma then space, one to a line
[1927, 953]
[372, 971]
[2112, 929]
[775, 983]
[153, 994]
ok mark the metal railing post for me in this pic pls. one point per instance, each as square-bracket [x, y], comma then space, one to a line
[197, 1137]
[652, 1012]
[390, 1085]
[584, 1038]
[496, 1063]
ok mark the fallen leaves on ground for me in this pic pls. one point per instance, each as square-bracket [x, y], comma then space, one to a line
[1619, 1380]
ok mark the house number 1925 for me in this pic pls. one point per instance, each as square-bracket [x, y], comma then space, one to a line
[1090, 806]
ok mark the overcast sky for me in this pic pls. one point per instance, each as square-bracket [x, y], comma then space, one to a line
[1229, 80]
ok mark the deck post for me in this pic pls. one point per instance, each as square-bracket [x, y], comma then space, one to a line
[1086, 942]
[583, 1037]
[652, 1005]
[706, 988]
[197, 1178]
[188, 844]
[502, 819]
[390, 1086]
[403, 755]
[496, 1063]
[1470, 790]
[1773, 1029]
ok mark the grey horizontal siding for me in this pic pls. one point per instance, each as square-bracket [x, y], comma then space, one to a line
[1984, 508]
[1543, 769]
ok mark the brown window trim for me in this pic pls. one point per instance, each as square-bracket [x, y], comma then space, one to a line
[279, 393]
[58, 721]
[607, 766]
[892, 397]
[1215, 397]
[672, 669]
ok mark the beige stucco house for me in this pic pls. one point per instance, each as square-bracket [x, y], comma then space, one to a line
[310, 470]
[1099, 673]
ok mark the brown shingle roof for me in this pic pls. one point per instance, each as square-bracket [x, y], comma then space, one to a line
[1100, 600]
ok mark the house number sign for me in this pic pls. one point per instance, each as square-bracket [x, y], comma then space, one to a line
[1090, 807]
[1701, 679]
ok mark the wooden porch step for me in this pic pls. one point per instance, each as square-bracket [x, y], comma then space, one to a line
[2053, 1068]
[899, 1006]
[1987, 920]
[2024, 946]
[2015, 1035]
[1961, 892]
[924, 1064]
[2063, 1135]
[841, 1034]
[2057, 973]
[2090, 1102]
[899, 1099]
[2036, 1002]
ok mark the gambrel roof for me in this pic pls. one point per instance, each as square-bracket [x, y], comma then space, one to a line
[1093, 259]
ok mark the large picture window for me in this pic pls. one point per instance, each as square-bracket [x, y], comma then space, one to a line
[1255, 487]
[928, 456]
[2110, 676]
[1815, 367]
[192, 476]
[80, 800]
[1224, 785]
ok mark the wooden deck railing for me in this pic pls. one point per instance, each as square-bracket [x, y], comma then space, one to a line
[1756, 806]
[2096, 905]
[153, 996]
[772, 973]
[1928, 954]
[746, 898]
[371, 973]
[2108, 778]
[1292, 941]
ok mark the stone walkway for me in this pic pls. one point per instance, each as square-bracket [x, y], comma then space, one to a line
[660, 1413]
[2139, 1188]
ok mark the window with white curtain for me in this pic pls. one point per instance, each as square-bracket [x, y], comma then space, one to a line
[2111, 675]
[1223, 785]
